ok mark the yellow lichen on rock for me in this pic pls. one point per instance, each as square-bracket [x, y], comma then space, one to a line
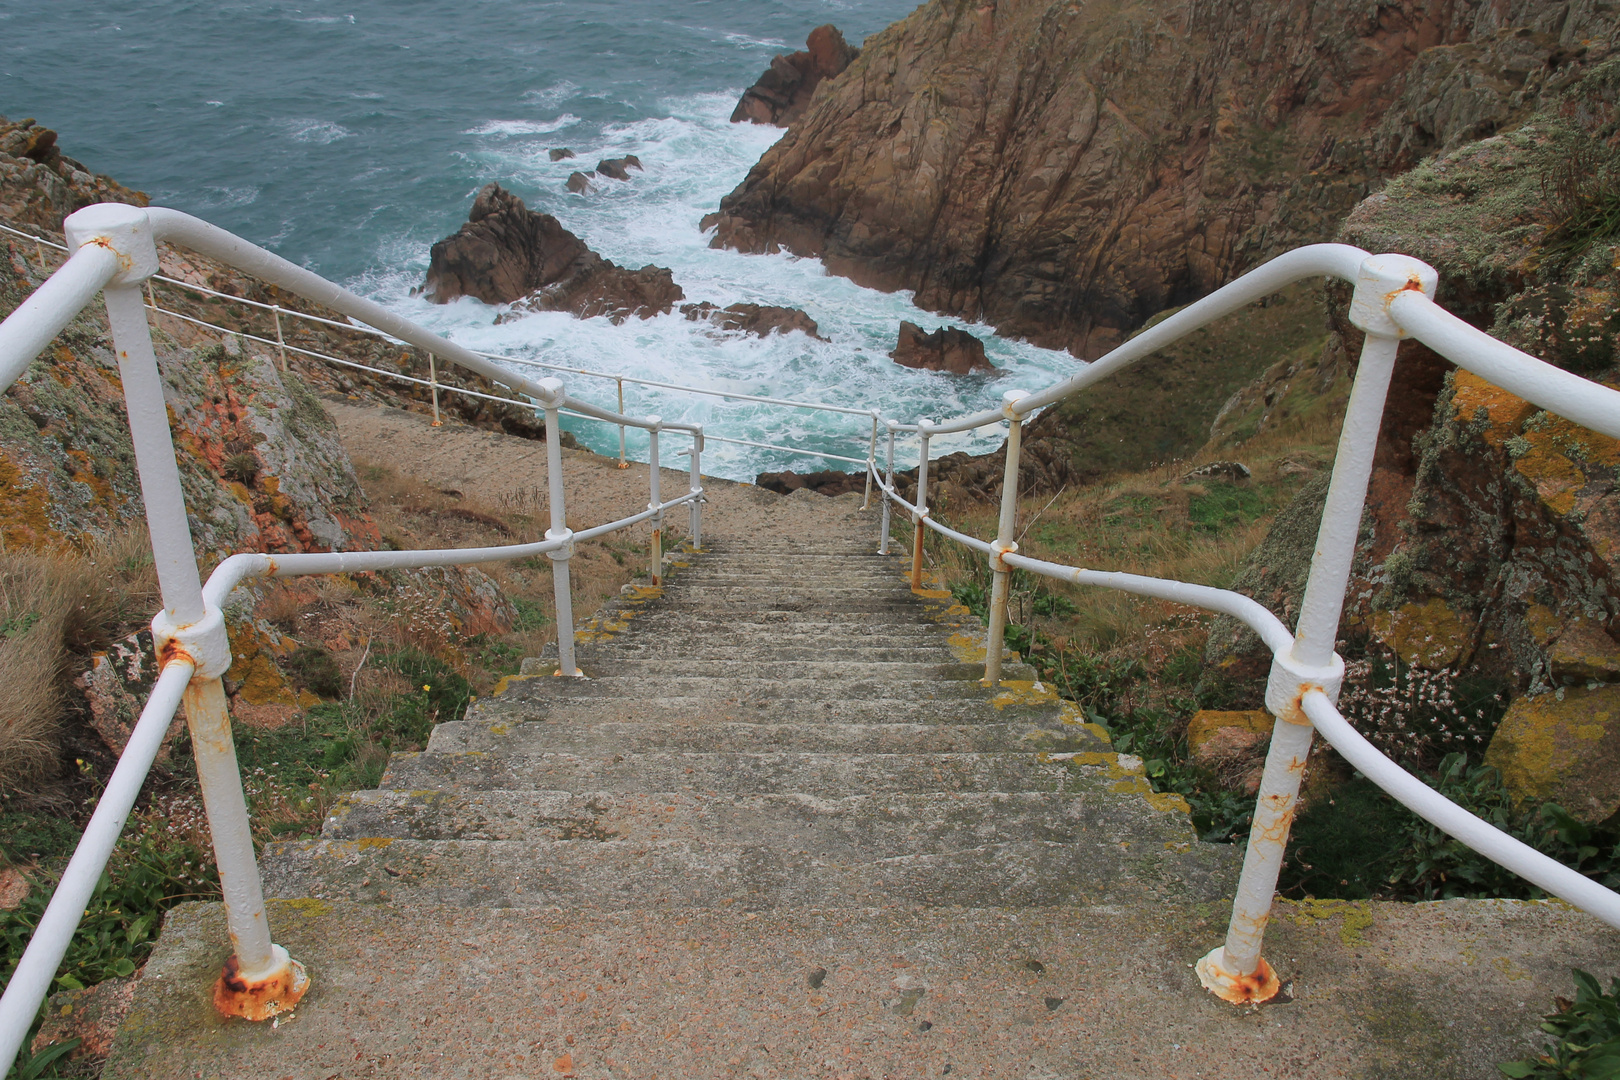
[1206, 723]
[1428, 634]
[1563, 747]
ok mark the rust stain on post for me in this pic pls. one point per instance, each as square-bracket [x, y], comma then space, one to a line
[259, 999]
[1259, 986]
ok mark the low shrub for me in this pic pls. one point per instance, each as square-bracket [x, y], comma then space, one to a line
[1585, 1043]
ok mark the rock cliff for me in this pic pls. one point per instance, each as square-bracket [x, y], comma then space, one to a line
[781, 95]
[1065, 171]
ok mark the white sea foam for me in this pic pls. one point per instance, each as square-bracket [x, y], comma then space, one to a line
[553, 95]
[692, 157]
[512, 128]
[320, 132]
[763, 43]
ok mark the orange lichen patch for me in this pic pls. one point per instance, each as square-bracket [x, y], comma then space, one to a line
[253, 670]
[259, 999]
[1168, 802]
[1206, 723]
[1543, 623]
[1504, 411]
[1426, 634]
[1555, 476]
[25, 520]
[1563, 747]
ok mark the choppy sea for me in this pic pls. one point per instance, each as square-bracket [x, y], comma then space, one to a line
[349, 136]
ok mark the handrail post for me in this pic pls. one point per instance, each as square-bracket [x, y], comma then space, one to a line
[871, 461]
[883, 541]
[260, 979]
[695, 486]
[623, 464]
[550, 399]
[924, 430]
[655, 547]
[433, 387]
[1235, 970]
[281, 342]
[999, 571]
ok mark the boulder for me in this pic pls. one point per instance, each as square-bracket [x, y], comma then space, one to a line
[1563, 747]
[509, 254]
[1232, 745]
[91, 1015]
[826, 482]
[579, 183]
[757, 319]
[618, 168]
[560, 153]
[783, 92]
[946, 349]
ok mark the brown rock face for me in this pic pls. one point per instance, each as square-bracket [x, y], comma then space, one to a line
[756, 319]
[826, 482]
[1065, 171]
[946, 349]
[618, 168]
[783, 92]
[507, 253]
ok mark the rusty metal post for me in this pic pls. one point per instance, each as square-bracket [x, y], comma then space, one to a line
[260, 979]
[655, 547]
[623, 464]
[924, 429]
[1004, 542]
[1235, 970]
[550, 399]
[281, 342]
[695, 486]
[883, 542]
[871, 461]
[433, 386]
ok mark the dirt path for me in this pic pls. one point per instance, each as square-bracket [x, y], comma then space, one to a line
[506, 470]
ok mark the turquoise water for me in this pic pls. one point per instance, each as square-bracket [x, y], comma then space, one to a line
[350, 136]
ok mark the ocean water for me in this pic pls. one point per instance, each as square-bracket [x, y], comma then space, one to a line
[349, 136]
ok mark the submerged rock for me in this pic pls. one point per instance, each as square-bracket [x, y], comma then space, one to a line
[757, 319]
[618, 168]
[946, 349]
[509, 254]
[560, 153]
[783, 92]
[579, 183]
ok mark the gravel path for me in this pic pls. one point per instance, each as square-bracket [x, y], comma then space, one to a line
[495, 468]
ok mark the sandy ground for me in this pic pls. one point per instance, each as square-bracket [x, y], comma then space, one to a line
[506, 470]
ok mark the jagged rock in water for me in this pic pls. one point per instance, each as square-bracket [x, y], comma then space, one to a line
[618, 168]
[946, 349]
[560, 153]
[826, 482]
[757, 319]
[507, 253]
[783, 92]
[1065, 171]
[579, 183]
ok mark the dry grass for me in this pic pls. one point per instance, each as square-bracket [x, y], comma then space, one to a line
[56, 606]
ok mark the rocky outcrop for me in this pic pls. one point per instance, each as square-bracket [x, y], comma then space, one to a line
[947, 349]
[827, 482]
[783, 92]
[756, 319]
[1066, 171]
[507, 253]
[560, 153]
[618, 168]
[578, 183]
[39, 185]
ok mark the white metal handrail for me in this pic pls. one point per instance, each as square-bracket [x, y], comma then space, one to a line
[1393, 299]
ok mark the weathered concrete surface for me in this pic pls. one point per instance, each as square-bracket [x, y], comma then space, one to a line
[1436, 991]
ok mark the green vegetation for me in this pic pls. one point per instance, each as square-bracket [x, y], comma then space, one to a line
[1585, 1043]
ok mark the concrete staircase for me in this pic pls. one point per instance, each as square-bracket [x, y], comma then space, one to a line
[784, 831]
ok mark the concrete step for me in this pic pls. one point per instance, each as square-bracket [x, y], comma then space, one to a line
[619, 875]
[654, 686]
[826, 775]
[632, 648]
[1440, 991]
[860, 828]
[697, 665]
[557, 704]
[637, 737]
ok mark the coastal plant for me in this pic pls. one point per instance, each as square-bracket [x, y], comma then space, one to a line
[1585, 1036]
[1416, 716]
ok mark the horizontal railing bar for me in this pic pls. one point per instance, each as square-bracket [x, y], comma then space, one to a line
[788, 449]
[1439, 811]
[31, 979]
[1587, 403]
[911, 508]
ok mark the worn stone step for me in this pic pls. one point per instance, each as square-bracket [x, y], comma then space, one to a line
[826, 774]
[499, 736]
[792, 671]
[656, 684]
[632, 648]
[514, 707]
[858, 828]
[617, 875]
